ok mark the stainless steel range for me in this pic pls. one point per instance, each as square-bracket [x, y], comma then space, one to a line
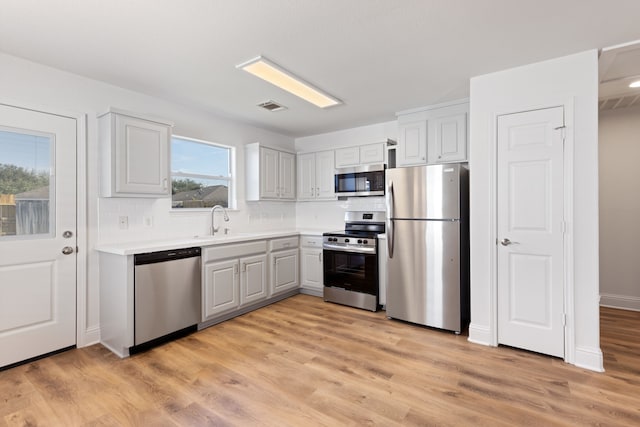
[350, 260]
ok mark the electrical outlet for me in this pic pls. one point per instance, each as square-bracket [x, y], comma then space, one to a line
[123, 222]
[147, 221]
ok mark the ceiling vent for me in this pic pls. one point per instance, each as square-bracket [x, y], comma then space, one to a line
[617, 102]
[272, 106]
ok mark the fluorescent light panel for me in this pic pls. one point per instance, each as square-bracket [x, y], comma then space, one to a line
[266, 70]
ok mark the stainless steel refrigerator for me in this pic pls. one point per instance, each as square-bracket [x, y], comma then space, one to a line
[428, 245]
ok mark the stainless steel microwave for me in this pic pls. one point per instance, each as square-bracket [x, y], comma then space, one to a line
[365, 180]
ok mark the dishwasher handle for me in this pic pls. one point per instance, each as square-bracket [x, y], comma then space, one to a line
[163, 256]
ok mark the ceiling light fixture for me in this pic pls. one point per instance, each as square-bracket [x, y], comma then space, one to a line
[635, 84]
[263, 68]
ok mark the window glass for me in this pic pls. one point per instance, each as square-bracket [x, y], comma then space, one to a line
[200, 174]
[25, 183]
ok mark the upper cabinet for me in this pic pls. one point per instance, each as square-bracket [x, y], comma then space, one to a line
[271, 173]
[360, 155]
[436, 134]
[316, 176]
[134, 155]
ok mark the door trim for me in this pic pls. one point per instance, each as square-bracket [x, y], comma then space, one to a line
[85, 335]
[568, 250]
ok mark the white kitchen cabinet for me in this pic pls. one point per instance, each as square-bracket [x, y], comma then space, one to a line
[349, 156]
[311, 267]
[253, 279]
[134, 155]
[372, 153]
[283, 262]
[233, 276]
[270, 173]
[221, 287]
[448, 139]
[435, 134]
[316, 176]
[412, 146]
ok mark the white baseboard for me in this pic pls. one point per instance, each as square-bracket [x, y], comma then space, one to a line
[479, 334]
[313, 292]
[91, 336]
[623, 302]
[589, 358]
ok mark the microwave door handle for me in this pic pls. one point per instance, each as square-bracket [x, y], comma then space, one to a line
[390, 236]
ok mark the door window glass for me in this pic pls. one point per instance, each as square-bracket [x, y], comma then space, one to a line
[26, 184]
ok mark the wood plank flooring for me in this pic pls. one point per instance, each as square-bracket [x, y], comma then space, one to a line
[304, 362]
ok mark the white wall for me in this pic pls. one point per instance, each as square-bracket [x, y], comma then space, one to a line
[572, 81]
[619, 143]
[27, 83]
[328, 215]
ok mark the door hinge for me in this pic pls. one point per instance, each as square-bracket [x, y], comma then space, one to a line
[563, 227]
[564, 319]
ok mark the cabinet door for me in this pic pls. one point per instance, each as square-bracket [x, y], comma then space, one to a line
[448, 139]
[372, 153]
[287, 175]
[269, 171]
[347, 157]
[412, 147]
[306, 176]
[141, 156]
[253, 279]
[325, 175]
[220, 288]
[311, 269]
[284, 271]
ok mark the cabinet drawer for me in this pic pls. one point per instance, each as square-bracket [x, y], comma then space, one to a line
[311, 241]
[213, 253]
[284, 243]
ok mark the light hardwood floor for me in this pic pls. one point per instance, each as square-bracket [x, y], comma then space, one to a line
[303, 362]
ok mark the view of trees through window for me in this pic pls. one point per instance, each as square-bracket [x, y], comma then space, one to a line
[200, 174]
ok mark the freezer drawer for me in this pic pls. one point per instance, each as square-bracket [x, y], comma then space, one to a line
[424, 283]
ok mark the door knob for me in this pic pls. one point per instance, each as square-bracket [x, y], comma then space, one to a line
[67, 250]
[506, 242]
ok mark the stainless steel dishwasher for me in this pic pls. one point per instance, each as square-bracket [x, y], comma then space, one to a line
[167, 295]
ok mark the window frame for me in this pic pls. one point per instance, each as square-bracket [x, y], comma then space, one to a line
[230, 179]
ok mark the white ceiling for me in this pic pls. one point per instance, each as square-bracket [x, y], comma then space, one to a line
[378, 56]
[618, 67]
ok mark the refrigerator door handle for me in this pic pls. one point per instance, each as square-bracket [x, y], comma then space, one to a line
[389, 230]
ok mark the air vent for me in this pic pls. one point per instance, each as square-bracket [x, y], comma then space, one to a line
[617, 102]
[272, 106]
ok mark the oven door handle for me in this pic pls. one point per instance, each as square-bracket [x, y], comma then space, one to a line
[337, 248]
[389, 229]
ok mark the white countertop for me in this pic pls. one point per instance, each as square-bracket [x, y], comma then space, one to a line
[132, 248]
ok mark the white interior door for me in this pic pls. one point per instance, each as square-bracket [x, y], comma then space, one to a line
[530, 230]
[37, 233]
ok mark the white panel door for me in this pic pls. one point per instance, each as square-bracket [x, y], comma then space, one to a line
[530, 231]
[306, 176]
[269, 172]
[284, 271]
[287, 175]
[221, 290]
[253, 279]
[325, 175]
[37, 223]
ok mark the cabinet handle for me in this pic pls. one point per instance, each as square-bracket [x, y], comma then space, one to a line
[312, 192]
[320, 256]
[164, 183]
[317, 191]
[235, 269]
[244, 266]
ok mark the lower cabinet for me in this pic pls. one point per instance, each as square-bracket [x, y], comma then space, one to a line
[284, 271]
[311, 272]
[253, 279]
[220, 287]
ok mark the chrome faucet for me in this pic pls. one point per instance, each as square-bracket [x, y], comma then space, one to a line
[215, 229]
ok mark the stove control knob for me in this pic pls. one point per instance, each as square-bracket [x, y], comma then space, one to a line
[365, 241]
[360, 241]
[346, 240]
[333, 239]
